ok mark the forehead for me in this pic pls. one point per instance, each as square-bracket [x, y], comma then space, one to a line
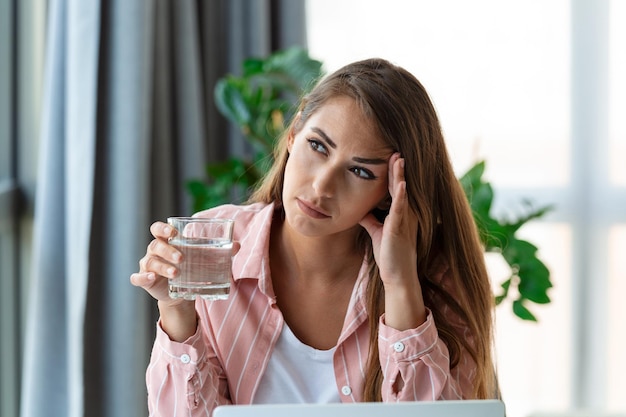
[343, 121]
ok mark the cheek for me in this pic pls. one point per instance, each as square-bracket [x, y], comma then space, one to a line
[295, 165]
[296, 173]
[365, 199]
[297, 155]
[289, 173]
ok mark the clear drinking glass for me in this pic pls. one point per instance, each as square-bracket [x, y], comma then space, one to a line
[206, 268]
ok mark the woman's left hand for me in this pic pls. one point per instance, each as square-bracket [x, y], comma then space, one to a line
[394, 240]
[394, 244]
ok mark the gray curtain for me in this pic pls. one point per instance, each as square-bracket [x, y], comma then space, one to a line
[128, 116]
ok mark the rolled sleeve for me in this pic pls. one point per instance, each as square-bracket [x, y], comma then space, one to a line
[181, 354]
[407, 345]
[415, 364]
[177, 370]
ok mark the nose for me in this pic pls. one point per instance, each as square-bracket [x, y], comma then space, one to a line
[325, 181]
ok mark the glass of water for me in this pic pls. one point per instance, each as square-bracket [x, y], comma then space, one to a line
[206, 267]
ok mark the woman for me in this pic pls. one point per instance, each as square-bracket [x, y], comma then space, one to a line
[359, 275]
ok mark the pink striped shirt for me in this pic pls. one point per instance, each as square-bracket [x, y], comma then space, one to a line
[224, 361]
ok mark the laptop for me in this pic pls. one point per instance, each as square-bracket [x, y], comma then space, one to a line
[465, 408]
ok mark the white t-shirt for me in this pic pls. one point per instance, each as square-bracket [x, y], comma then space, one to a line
[297, 373]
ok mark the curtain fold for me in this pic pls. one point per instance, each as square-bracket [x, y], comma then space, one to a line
[128, 117]
[116, 336]
[52, 381]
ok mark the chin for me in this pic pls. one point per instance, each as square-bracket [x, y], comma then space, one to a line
[303, 225]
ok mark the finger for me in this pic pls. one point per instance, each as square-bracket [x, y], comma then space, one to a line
[391, 172]
[399, 190]
[404, 217]
[236, 247]
[162, 230]
[397, 210]
[145, 279]
[397, 174]
[161, 248]
[158, 266]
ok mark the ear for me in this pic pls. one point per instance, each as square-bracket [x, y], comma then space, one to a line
[292, 131]
[290, 140]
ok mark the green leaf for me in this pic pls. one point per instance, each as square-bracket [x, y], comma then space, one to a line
[252, 66]
[199, 193]
[300, 70]
[531, 214]
[482, 197]
[494, 236]
[522, 312]
[505, 286]
[518, 250]
[478, 192]
[196, 188]
[534, 281]
[472, 178]
[231, 101]
[234, 171]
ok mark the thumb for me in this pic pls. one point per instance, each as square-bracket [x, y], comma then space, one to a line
[236, 248]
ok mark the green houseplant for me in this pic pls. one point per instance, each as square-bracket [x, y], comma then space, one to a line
[263, 98]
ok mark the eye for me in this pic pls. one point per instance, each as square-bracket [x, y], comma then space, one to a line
[363, 173]
[317, 146]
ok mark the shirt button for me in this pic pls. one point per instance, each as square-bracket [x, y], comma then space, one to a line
[398, 347]
[184, 358]
[346, 390]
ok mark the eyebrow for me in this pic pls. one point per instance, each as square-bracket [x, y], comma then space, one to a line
[329, 141]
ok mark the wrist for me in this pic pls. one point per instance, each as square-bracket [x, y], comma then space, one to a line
[178, 320]
[179, 306]
[404, 306]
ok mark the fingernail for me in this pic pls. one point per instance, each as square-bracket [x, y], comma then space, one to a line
[151, 276]
[171, 270]
[167, 230]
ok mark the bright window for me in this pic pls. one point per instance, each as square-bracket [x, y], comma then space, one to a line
[505, 78]
[617, 91]
[616, 344]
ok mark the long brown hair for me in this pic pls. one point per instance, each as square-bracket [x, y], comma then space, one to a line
[401, 108]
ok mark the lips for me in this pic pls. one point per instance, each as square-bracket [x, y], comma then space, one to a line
[311, 210]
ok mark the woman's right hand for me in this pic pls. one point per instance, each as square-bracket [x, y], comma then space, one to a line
[159, 264]
[178, 316]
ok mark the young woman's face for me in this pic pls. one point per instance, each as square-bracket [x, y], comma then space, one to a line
[336, 172]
